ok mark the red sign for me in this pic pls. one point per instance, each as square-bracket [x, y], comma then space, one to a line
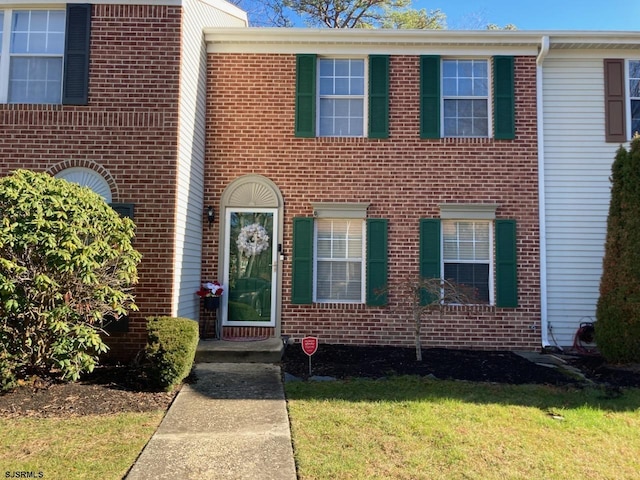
[309, 345]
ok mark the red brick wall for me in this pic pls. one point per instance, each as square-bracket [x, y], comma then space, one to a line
[250, 127]
[128, 132]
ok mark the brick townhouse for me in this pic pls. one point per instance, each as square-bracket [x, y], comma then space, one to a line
[109, 95]
[366, 157]
[310, 172]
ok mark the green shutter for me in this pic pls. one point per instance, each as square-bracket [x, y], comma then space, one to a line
[377, 261]
[302, 265]
[305, 96]
[379, 96]
[430, 259]
[75, 82]
[506, 266]
[124, 209]
[504, 98]
[430, 96]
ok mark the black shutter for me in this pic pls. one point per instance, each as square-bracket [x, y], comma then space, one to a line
[124, 209]
[75, 83]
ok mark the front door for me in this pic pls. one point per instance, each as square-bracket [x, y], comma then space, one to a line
[250, 267]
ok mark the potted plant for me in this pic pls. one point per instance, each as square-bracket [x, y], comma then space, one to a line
[211, 293]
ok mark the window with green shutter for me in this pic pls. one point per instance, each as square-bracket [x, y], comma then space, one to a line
[455, 97]
[339, 260]
[332, 96]
[460, 250]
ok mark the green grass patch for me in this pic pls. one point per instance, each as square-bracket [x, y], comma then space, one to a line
[414, 428]
[102, 447]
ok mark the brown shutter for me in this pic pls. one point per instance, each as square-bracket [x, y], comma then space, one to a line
[614, 101]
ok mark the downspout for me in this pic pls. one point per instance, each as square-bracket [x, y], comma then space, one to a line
[544, 324]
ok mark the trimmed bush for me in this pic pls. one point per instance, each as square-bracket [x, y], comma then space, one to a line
[618, 312]
[171, 350]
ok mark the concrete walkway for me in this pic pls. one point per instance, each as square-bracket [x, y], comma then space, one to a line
[231, 424]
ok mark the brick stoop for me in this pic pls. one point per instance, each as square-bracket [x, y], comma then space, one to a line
[221, 351]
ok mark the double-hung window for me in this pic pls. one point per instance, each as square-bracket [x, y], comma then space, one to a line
[466, 255]
[339, 256]
[465, 98]
[634, 95]
[341, 97]
[339, 260]
[36, 49]
[44, 55]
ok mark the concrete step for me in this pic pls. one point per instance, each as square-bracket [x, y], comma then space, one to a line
[222, 351]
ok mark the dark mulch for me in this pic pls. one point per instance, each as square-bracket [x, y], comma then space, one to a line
[343, 361]
[114, 389]
[107, 390]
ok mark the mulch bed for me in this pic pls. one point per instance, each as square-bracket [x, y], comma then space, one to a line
[115, 389]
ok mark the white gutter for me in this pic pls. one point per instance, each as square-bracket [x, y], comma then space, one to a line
[544, 324]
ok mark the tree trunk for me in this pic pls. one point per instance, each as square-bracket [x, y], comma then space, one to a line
[417, 319]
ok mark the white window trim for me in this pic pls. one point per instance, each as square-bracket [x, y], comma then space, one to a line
[629, 98]
[489, 97]
[363, 263]
[365, 95]
[492, 256]
[5, 52]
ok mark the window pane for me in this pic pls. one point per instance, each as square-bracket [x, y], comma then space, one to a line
[1, 28]
[634, 69]
[475, 276]
[38, 31]
[35, 80]
[634, 88]
[635, 116]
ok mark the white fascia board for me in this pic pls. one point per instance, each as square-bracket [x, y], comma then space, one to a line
[359, 41]
[422, 42]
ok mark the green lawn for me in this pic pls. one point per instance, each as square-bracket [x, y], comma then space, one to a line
[101, 447]
[412, 428]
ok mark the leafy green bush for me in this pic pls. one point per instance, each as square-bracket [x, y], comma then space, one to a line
[171, 350]
[66, 261]
[618, 312]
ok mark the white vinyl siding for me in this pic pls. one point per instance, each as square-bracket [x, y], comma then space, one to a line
[577, 169]
[191, 202]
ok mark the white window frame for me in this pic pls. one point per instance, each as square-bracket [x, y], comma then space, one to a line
[487, 98]
[6, 55]
[364, 96]
[630, 98]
